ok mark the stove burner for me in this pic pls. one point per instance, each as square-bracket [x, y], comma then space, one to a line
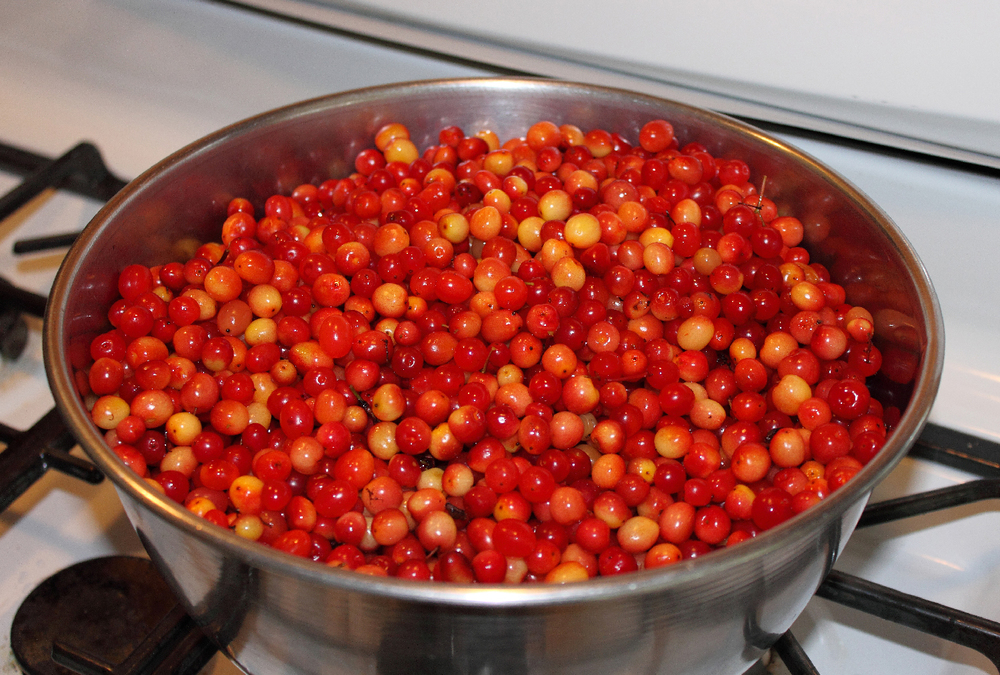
[107, 616]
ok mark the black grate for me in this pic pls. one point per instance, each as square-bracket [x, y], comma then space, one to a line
[30, 453]
[951, 448]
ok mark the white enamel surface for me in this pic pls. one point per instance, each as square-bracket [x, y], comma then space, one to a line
[143, 80]
[894, 53]
[888, 69]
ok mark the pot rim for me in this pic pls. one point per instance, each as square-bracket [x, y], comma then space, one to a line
[479, 595]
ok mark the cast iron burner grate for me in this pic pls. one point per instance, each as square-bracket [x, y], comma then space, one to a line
[951, 448]
[29, 454]
[64, 624]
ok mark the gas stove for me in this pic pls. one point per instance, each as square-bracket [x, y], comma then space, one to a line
[142, 81]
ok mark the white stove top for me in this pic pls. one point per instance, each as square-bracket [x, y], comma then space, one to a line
[142, 80]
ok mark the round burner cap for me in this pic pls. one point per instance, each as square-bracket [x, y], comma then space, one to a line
[105, 608]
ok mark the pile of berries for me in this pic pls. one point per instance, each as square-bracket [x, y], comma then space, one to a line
[560, 357]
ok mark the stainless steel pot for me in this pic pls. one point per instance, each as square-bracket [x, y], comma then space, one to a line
[272, 613]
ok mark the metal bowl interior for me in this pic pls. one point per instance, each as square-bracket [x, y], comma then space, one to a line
[273, 613]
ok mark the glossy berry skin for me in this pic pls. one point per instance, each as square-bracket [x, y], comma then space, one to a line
[771, 507]
[540, 359]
